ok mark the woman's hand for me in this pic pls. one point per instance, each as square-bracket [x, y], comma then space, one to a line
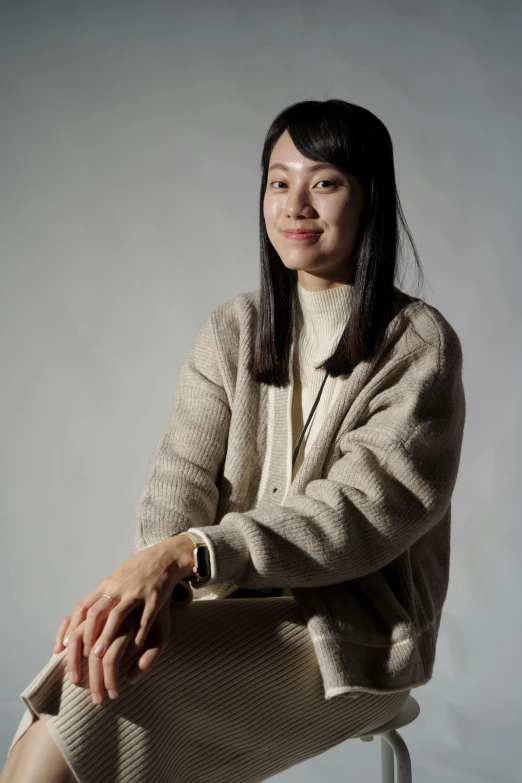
[103, 672]
[144, 580]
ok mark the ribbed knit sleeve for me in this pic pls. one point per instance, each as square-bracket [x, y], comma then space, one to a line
[181, 487]
[392, 483]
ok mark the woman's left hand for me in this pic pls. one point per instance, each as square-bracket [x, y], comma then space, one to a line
[104, 673]
[145, 579]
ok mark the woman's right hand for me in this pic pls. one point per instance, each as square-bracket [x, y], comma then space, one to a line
[103, 672]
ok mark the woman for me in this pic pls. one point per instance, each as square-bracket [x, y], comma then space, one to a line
[309, 462]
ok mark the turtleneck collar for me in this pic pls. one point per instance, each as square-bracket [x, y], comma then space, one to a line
[325, 313]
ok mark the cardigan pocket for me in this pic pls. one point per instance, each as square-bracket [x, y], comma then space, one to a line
[366, 611]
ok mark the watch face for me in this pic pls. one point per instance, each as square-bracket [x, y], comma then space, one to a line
[203, 561]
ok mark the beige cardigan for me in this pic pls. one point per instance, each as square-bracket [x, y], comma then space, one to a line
[361, 534]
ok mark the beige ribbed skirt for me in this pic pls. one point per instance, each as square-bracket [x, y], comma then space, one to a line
[236, 697]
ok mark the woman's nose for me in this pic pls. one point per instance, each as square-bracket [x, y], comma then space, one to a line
[297, 205]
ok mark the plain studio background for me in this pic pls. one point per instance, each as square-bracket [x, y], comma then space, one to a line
[130, 143]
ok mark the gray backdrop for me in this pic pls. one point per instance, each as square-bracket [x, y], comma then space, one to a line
[129, 146]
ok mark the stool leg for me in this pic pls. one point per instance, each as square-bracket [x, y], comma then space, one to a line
[395, 744]
[387, 762]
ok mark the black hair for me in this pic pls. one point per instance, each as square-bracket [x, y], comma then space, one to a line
[353, 139]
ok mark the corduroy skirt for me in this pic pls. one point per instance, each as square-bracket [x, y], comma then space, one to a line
[235, 697]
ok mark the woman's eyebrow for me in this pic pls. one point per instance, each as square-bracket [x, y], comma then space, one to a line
[313, 167]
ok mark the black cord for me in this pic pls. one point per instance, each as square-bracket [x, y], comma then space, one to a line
[314, 406]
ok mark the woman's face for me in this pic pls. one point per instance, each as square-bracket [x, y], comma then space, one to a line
[304, 194]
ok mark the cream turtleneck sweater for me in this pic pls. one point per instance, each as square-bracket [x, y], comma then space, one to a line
[321, 321]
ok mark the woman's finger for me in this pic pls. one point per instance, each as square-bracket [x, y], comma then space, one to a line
[74, 654]
[95, 620]
[111, 662]
[115, 618]
[103, 672]
[96, 678]
[58, 642]
[80, 612]
[149, 614]
[157, 641]
[144, 664]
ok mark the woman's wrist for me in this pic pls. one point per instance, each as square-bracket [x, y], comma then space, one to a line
[180, 552]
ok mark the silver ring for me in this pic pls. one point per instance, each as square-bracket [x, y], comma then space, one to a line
[105, 595]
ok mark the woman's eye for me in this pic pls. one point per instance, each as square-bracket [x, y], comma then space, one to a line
[328, 181]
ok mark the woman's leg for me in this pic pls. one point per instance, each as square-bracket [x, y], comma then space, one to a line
[236, 697]
[35, 758]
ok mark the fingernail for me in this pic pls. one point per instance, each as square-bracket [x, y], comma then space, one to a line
[112, 694]
[66, 639]
[98, 650]
[56, 647]
[85, 650]
[72, 676]
[96, 698]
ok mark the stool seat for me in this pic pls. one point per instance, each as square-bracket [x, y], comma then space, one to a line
[409, 712]
[394, 751]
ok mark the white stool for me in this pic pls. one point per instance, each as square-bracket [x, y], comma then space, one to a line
[393, 745]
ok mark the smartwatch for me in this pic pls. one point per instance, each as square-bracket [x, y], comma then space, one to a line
[202, 561]
[201, 568]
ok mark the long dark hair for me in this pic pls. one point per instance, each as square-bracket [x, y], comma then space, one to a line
[351, 138]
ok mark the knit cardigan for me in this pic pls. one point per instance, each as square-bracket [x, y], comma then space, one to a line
[361, 533]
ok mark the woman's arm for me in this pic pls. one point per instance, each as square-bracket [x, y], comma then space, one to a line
[181, 488]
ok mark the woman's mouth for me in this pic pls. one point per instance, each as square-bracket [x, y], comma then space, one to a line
[301, 235]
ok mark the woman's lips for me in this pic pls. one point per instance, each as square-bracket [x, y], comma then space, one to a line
[301, 235]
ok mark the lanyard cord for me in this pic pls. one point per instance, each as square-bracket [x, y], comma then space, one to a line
[314, 406]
